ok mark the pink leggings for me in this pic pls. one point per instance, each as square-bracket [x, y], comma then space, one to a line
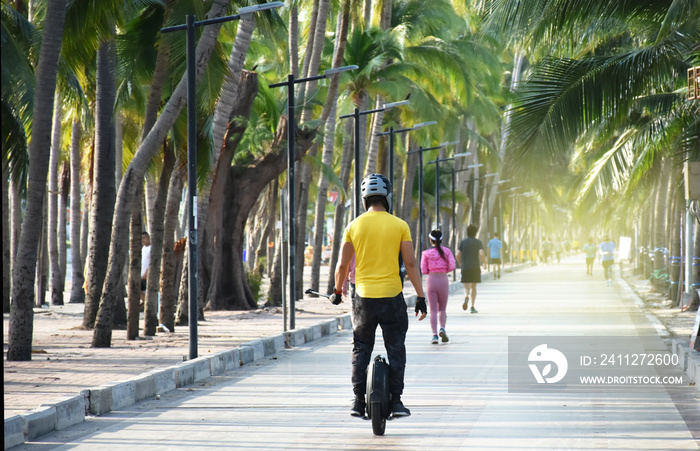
[438, 289]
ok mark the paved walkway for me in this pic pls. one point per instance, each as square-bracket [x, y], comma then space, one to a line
[458, 391]
[63, 363]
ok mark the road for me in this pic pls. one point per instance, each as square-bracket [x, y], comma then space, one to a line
[457, 391]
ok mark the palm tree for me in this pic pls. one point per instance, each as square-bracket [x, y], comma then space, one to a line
[103, 183]
[77, 292]
[134, 175]
[22, 298]
[6, 257]
[56, 285]
[616, 94]
[328, 146]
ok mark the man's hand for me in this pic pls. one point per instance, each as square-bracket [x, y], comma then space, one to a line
[336, 297]
[421, 307]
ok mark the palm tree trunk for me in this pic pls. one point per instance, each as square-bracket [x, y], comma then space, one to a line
[182, 313]
[150, 193]
[134, 175]
[63, 190]
[301, 91]
[134, 283]
[15, 219]
[407, 202]
[229, 88]
[168, 277]
[270, 234]
[505, 130]
[77, 293]
[103, 184]
[23, 273]
[267, 217]
[85, 227]
[328, 146]
[696, 256]
[150, 307]
[304, 169]
[274, 291]
[56, 288]
[339, 219]
[378, 118]
[660, 227]
[294, 39]
[42, 265]
[6, 246]
[373, 148]
[675, 256]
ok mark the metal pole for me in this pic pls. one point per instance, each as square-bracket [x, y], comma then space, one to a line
[285, 243]
[488, 217]
[473, 199]
[454, 219]
[391, 161]
[421, 226]
[437, 190]
[291, 212]
[358, 162]
[192, 184]
[689, 224]
[512, 232]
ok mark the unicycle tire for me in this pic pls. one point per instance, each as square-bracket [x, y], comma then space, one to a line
[378, 420]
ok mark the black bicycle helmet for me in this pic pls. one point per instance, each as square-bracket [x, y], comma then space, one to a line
[376, 185]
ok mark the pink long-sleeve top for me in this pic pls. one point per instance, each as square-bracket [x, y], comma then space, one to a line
[431, 261]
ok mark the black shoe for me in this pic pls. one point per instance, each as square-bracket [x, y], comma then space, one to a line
[358, 408]
[398, 409]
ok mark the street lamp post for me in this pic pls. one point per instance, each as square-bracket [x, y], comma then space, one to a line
[437, 178]
[291, 151]
[498, 223]
[189, 27]
[486, 196]
[500, 209]
[357, 175]
[391, 132]
[421, 224]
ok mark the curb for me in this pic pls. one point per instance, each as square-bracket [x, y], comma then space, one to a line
[96, 401]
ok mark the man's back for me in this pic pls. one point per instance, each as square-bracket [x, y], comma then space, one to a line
[495, 246]
[376, 237]
[469, 249]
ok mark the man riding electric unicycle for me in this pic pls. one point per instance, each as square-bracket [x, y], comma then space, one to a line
[377, 238]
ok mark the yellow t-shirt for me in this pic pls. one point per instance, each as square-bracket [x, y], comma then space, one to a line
[376, 237]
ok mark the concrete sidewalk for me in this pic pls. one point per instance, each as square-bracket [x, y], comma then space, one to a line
[458, 391]
[133, 371]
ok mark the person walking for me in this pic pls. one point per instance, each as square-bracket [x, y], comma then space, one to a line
[607, 249]
[591, 250]
[495, 246]
[469, 254]
[558, 248]
[376, 239]
[547, 251]
[436, 262]
[145, 261]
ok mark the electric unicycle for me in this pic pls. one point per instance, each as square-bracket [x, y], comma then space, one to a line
[378, 396]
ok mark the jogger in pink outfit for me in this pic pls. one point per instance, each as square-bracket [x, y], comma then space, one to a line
[436, 262]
